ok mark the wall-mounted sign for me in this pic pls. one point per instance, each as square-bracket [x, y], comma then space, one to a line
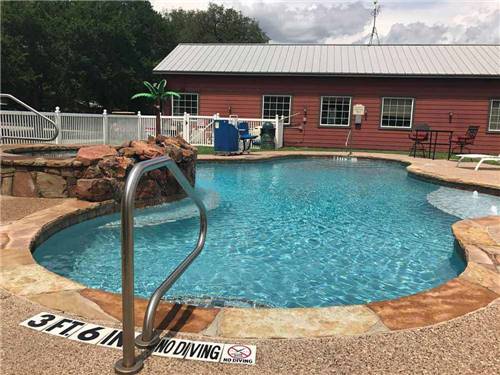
[358, 110]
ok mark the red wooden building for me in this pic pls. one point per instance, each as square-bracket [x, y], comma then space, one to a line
[315, 87]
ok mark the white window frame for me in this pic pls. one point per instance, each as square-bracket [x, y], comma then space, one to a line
[490, 116]
[335, 125]
[187, 93]
[287, 122]
[397, 127]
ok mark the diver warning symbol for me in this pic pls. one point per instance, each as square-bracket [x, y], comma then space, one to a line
[239, 354]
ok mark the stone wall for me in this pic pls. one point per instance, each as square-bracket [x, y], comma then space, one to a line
[98, 173]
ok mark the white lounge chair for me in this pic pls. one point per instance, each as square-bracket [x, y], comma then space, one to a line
[482, 158]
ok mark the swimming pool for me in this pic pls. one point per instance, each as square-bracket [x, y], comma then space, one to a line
[288, 233]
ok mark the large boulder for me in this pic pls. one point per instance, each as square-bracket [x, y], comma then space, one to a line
[23, 185]
[145, 150]
[106, 169]
[92, 154]
[166, 181]
[177, 148]
[128, 152]
[96, 189]
[115, 166]
[148, 190]
[51, 185]
[93, 172]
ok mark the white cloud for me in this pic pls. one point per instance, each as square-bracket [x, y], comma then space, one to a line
[335, 21]
[416, 32]
[161, 5]
[308, 23]
[484, 29]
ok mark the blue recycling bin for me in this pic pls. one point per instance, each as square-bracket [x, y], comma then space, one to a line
[226, 138]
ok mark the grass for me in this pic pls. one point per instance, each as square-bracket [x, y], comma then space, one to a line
[439, 155]
[205, 150]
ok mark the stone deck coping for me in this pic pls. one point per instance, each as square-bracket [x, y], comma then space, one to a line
[476, 287]
[10, 157]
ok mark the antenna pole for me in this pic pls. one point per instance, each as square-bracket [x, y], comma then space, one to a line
[375, 12]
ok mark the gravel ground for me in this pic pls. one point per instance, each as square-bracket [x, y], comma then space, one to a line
[467, 345]
[15, 208]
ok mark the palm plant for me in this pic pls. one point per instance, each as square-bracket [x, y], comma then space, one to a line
[157, 94]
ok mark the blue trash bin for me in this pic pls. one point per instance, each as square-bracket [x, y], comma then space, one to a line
[226, 138]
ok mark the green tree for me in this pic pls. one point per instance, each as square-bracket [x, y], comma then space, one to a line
[91, 55]
[81, 56]
[114, 46]
[157, 94]
[214, 25]
[31, 51]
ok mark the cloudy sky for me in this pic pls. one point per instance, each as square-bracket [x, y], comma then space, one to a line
[334, 21]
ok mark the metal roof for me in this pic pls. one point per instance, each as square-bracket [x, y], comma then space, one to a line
[329, 59]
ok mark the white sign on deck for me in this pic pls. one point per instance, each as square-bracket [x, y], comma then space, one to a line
[94, 334]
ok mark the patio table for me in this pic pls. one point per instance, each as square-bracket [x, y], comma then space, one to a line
[435, 141]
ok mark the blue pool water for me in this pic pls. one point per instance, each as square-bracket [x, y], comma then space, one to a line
[288, 233]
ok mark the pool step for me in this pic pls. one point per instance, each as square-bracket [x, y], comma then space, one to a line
[216, 302]
[345, 158]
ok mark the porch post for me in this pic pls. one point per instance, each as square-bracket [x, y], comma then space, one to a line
[105, 129]
[277, 131]
[139, 126]
[186, 127]
[57, 120]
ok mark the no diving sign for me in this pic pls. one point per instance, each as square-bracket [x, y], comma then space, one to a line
[94, 334]
[243, 354]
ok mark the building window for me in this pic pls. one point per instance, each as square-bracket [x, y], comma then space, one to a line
[397, 113]
[188, 103]
[494, 125]
[280, 105]
[335, 110]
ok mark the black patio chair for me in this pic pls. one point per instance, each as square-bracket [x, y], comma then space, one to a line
[420, 138]
[463, 141]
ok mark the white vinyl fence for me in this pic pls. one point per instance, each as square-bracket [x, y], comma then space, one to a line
[27, 125]
[84, 128]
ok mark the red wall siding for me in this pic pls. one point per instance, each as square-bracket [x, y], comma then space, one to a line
[468, 99]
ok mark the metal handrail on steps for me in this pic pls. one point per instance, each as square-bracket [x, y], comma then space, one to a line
[129, 364]
[24, 137]
[348, 142]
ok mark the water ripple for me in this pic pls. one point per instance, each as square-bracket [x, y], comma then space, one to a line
[288, 233]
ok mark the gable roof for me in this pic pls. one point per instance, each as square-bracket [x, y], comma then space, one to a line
[335, 60]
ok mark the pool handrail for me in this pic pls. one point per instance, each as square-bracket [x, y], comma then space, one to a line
[129, 364]
[31, 109]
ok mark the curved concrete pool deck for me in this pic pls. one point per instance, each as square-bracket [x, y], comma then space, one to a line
[475, 289]
[466, 345]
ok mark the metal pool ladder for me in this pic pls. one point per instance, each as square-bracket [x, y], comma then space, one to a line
[129, 364]
[27, 129]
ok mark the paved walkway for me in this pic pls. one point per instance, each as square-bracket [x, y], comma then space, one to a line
[15, 208]
[467, 345]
